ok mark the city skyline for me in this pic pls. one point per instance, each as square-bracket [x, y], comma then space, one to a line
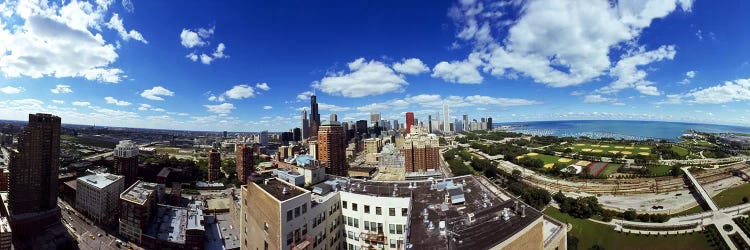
[252, 67]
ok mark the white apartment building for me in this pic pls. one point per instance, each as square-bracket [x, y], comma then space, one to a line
[98, 195]
[379, 222]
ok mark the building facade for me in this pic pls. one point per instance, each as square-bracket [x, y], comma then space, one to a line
[421, 151]
[98, 196]
[314, 116]
[138, 208]
[34, 169]
[126, 161]
[244, 160]
[409, 121]
[214, 165]
[305, 125]
[331, 148]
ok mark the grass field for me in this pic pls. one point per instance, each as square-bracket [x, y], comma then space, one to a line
[680, 151]
[732, 196]
[591, 233]
[546, 158]
[598, 148]
[611, 169]
[660, 170]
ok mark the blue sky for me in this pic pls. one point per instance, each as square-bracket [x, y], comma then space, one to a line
[249, 66]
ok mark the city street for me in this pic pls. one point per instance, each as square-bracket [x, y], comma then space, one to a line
[88, 235]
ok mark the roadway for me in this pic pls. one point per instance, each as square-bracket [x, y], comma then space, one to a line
[88, 235]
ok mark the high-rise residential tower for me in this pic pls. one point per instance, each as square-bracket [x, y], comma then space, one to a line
[126, 161]
[244, 160]
[214, 165]
[305, 125]
[33, 175]
[466, 123]
[409, 121]
[446, 120]
[314, 116]
[331, 150]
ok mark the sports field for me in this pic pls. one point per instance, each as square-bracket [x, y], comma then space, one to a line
[611, 148]
[547, 159]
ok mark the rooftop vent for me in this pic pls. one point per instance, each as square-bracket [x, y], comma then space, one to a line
[523, 211]
[516, 206]
[431, 226]
[284, 191]
[506, 215]
[471, 217]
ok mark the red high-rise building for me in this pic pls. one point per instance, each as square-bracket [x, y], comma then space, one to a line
[214, 165]
[244, 159]
[409, 121]
[126, 161]
[331, 151]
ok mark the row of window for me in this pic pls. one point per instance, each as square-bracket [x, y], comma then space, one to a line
[297, 212]
[378, 210]
[297, 235]
[375, 226]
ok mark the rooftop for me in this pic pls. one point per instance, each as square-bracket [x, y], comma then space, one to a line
[172, 222]
[473, 215]
[139, 192]
[99, 180]
[279, 189]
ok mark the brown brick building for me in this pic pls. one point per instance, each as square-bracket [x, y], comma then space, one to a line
[138, 208]
[33, 175]
[244, 160]
[214, 165]
[331, 148]
[126, 161]
[421, 151]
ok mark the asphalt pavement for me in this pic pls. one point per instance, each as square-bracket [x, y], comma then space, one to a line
[88, 235]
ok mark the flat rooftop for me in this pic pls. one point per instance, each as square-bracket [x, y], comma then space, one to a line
[279, 189]
[100, 180]
[171, 223]
[470, 198]
[139, 192]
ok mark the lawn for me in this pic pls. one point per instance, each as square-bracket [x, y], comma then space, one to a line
[660, 170]
[732, 196]
[591, 233]
[546, 158]
[680, 151]
[587, 147]
[611, 169]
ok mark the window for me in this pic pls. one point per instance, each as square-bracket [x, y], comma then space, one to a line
[380, 228]
[392, 211]
[265, 245]
[354, 206]
[344, 204]
[391, 228]
[296, 212]
[400, 229]
[377, 211]
[373, 226]
[349, 221]
[393, 243]
[304, 229]
[265, 227]
[304, 208]
[404, 211]
[289, 215]
[296, 235]
[367, 225]
[356, 223]
[367, 209]
[289, 238]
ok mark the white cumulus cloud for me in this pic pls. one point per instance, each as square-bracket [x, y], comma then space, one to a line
[459, 71]
[115, 23]
[11, 90]
[267, 107]
[364, 78]
[224, 108]
[112, 100]
[263, 86]
[81, 103]
[411, 66]
[61, 89]
[156, 93]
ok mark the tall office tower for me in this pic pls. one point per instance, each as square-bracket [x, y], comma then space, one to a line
[126, 161]
[263, 138]
[458, 126]
[466, 123]
[331, 150]
[395, 125]
[314, 116]
[305, 125]
[409, 121]
[345, 126]
[244, 160]
[446, 120]
[374, 118]
[384, 125]
[421, 151]
[489, 123]
[297, 134]
[361, 127]
[214, 165]
[429, 124]
[33, 175]
[225, 134]
[333, 117]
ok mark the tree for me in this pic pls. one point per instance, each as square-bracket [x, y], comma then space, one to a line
[630, 214]
[744, 199]
[490, 172]
[516, 175]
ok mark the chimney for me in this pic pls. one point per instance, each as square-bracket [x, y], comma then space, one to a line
[516, 208]
[284, 191]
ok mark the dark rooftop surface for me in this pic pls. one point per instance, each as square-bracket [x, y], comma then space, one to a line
[276, 188]
[486, 229]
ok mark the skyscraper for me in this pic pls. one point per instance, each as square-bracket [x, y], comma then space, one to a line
[429, 124]
[489, 123]
[33, 175]
[446, 120]
[126, 161]
[305, 125]
[409, 121]
[333, 117]
[314, 116]
[244, 160]
[297, 134]
[361, 127]
[466, 123]
[374, 118]
[331, 150]
[214, 165]
[263, 137]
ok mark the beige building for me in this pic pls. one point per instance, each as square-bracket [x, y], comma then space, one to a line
[98, 195]
[421, 150]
